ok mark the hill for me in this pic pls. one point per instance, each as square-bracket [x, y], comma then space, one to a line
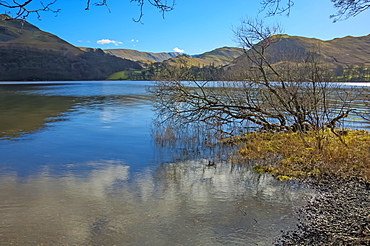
[340, 51]
[221, 56]
[348, 56]
[135, 55]
[218, 57]
[203, 66]
[28, 53]
[19, 33]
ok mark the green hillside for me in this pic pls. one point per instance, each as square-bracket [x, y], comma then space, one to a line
[19, 33]
[221, 56]
[135, 55]
[218, 57]
[202, 66]
[340, 51]
[348, 57]
[27, 53]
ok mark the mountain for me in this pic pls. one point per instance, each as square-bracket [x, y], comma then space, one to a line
[221, 56]
[347, 54]
[203, 66]
[28, 53]
[19, 33]
[135, 55]
[218, 57]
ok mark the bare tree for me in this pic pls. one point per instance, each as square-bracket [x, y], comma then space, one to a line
[23, 8]
[349, 8]
[345, 8]
[274, 7]
[287, 96]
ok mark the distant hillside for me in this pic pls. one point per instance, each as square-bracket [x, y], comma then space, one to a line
[135, 55]
[340, 54]
[218, 57]
[204, 66]
[19, 33]
[221, 56]
[27, 53]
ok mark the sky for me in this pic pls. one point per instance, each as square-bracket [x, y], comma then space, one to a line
[193, 27]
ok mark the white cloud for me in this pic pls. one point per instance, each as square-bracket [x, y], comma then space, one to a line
[178, 50]
[133, 40]
[108, 41]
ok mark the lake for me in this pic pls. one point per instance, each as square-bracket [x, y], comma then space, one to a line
[79, 166]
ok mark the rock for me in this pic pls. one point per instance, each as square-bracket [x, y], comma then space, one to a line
[338, 215]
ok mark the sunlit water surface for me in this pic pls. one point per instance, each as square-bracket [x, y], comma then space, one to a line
[79, 166]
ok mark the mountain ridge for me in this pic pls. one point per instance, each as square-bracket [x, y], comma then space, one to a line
[217, 57]
[28, 53]
[136, 55]
[15, 32]
[346, 56]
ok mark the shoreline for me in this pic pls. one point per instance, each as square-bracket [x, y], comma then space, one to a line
[338, 215]
[338, 212]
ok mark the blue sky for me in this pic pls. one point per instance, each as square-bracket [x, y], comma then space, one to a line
[194, 26]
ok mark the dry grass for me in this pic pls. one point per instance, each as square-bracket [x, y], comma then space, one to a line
[301, 155]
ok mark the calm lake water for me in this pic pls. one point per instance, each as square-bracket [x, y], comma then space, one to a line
[79, 166]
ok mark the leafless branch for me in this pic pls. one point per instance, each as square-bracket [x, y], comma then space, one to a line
[290, 96]
[345, 8]
[24, 9]
[276, 7]
[349, 8]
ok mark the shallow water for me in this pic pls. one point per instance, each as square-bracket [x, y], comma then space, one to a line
[79, 166]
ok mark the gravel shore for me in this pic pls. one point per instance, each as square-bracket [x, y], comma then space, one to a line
[338, 215]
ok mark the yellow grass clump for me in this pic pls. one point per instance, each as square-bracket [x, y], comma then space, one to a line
[314, 153]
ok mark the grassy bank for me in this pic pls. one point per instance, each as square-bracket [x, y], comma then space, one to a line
[337, 166]
[311, 154]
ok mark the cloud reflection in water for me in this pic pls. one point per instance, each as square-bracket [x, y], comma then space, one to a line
[185, 203]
